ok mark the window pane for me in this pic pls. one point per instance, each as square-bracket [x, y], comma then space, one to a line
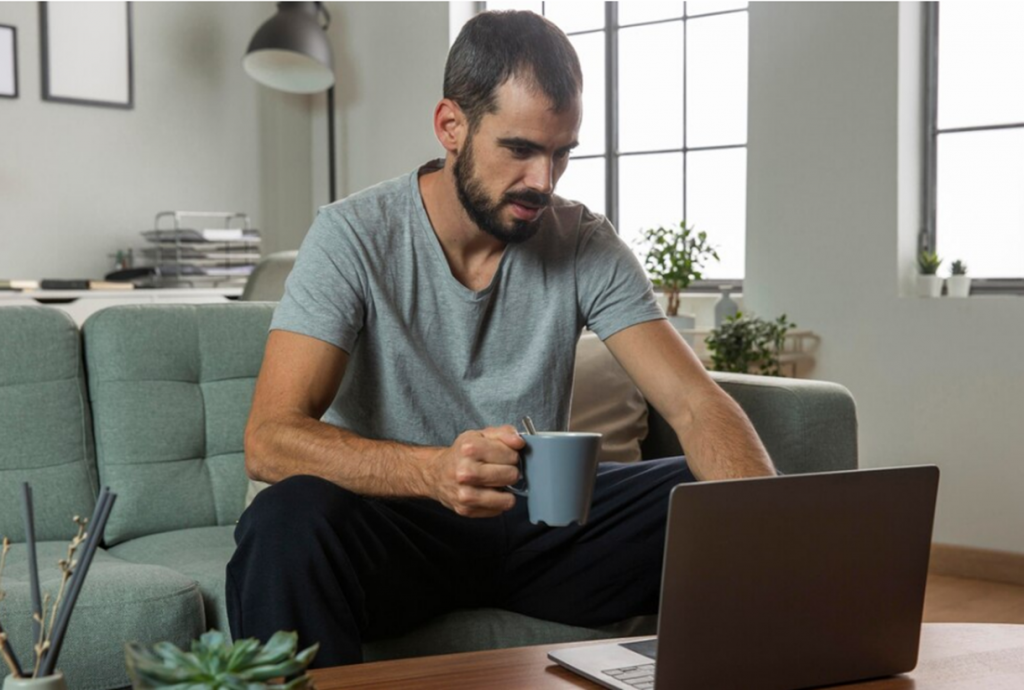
[583, 181]
[575, 16]
[636, 12]
[650, 193]
[651, 87]
[980, 208]
[532, 6]
[716, 80]
[980, 59]
[716, 203]
[695, 7]
[590, 49]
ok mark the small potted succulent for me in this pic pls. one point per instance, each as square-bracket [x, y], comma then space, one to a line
[959, 283]
[929, 284]
[215, 664]
[674, 258]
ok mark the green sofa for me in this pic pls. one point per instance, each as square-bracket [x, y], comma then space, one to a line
[152, 401]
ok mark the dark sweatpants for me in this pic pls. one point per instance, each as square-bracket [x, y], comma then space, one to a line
[341, 568]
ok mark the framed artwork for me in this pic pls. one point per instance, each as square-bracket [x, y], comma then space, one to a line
[8, 61]
[87, 53]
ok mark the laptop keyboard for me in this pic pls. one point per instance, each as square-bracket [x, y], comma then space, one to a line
[640, 677]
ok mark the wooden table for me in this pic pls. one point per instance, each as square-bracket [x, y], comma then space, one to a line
[953, 656]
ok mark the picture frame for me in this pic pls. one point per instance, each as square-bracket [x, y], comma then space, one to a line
[8, 61]
[87, 53]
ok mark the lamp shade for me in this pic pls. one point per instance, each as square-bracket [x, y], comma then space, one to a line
[291, 51]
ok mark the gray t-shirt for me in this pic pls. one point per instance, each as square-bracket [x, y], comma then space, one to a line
[431, 358]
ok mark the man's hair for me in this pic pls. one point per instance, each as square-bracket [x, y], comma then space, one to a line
[495, 46]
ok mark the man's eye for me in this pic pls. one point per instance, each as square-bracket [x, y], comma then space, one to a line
[521, 152]
[562, 155]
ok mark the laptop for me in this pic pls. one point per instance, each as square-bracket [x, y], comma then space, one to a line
[783, 582]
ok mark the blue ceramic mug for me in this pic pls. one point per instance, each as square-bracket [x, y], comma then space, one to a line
[559, 469]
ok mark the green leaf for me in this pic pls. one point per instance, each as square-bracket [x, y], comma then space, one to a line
[279, 647]
[243, 653]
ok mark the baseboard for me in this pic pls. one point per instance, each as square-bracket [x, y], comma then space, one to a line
[977, 564]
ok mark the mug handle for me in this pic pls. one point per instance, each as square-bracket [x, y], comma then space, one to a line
[525, 491]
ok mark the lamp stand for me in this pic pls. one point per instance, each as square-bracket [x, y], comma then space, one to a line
[332, 189]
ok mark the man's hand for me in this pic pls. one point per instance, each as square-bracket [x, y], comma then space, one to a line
[467, 476]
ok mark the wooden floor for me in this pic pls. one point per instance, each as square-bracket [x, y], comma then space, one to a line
[958, 600]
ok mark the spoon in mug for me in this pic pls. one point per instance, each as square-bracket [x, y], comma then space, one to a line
[530, 428]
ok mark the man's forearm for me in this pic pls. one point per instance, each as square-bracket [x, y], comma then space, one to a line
[720, 442]
[276, 450]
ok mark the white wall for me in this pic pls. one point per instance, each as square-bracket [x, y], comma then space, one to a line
[78, 182]
[832, 211]
[389, 59]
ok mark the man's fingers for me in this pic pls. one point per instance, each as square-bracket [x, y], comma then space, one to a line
[507, 434]
[489, 450]
[476, 502]
[486, 474]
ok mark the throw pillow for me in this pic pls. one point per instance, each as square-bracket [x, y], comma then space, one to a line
[604, 399]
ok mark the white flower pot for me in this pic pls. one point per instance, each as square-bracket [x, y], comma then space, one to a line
[958, 286]
[54, 682]
[929, 286]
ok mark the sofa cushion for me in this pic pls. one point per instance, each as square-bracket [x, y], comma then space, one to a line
[120, 602]
[201, 553]
[45, 435]
[605, 400]
[171, 387]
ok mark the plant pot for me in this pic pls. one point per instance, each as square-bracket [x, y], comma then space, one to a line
[929, 286]
[54, 682]
[958, 286]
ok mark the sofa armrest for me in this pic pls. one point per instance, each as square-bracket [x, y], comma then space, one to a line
[807, 426]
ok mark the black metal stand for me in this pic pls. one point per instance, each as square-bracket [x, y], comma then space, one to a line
[332, 189]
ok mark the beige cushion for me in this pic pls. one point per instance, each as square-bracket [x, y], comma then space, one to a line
[604, 399]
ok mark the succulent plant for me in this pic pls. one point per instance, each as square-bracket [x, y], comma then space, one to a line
[928, 263]
[215, 663]
[959, 268]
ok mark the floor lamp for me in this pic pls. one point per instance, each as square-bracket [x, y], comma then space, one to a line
[291, 52]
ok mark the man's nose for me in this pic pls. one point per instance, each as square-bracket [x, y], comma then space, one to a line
[541, 175]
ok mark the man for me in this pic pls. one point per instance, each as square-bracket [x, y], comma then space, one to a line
[425, 315]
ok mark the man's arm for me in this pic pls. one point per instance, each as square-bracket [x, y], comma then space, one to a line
[719, 440]
[284, 437]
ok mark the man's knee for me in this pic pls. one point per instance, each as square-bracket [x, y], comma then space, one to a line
[294, 510]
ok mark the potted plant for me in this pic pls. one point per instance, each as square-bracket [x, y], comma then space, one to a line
[674, 258]
[748, 344]
[959, 284]
[215, 663]
[929, 284]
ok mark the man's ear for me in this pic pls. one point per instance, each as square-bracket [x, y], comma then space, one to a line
[450, 125]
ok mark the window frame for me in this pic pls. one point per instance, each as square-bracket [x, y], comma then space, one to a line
[612, 154]
[927, 237]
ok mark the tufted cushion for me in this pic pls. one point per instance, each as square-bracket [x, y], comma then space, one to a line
[45, 437]
[120, 602]
[200, 554]
[171, 387]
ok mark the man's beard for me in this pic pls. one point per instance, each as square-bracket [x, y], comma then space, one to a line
[487, 215]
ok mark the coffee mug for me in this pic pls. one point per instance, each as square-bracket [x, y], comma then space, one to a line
[559, 469]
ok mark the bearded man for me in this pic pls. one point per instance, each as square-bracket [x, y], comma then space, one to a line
[423, 317]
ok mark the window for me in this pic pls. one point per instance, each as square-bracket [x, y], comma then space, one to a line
[975, 141]
[664, 133]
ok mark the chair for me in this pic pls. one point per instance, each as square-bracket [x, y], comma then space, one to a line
[266, 284]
